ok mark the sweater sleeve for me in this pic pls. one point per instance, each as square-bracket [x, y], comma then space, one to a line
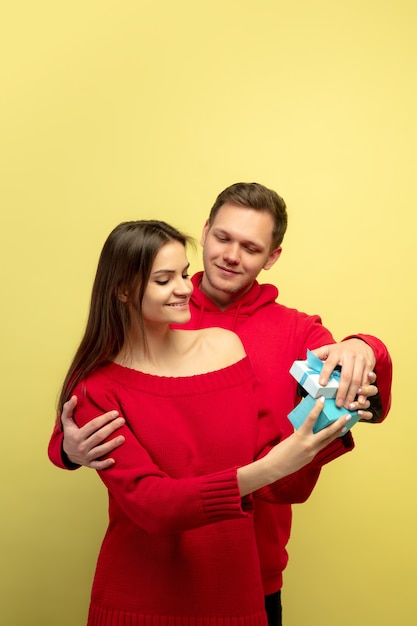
[153, 500]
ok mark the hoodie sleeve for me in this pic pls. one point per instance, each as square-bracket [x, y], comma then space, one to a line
[380, 404]
[56, 452]
[295, 487]
[314, 335]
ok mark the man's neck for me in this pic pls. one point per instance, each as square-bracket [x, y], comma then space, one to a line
[222, 299]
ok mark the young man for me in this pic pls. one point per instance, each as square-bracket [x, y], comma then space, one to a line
[242, 236]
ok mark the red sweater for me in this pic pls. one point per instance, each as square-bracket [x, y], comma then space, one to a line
[180, 547]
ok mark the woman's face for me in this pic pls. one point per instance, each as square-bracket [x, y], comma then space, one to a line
[167, 294]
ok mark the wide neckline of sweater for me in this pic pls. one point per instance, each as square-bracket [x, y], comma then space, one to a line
[221, 378]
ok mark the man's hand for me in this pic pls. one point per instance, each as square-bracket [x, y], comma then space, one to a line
[84, 446]
[357, 361]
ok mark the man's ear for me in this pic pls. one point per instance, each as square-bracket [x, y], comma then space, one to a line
[204, 233]
[272, 258]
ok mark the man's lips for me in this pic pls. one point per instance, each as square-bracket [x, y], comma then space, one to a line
[227, 270]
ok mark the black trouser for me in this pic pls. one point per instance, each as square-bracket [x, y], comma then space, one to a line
[273, 609]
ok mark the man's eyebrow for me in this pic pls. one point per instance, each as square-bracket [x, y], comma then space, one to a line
[250, 242]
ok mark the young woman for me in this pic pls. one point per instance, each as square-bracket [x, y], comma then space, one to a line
[180, 548]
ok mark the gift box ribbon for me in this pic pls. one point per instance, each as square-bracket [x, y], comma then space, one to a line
[316, 365]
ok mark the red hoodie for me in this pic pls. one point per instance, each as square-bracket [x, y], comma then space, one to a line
[274, 336]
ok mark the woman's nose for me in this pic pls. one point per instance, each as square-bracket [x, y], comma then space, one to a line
[184, 286]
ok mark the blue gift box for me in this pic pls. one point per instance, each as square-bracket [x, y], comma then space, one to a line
[307, 373]
[330, 413]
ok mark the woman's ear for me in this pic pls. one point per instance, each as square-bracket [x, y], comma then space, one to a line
[123, 294]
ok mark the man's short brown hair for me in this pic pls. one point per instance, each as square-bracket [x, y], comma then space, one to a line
[257, 197]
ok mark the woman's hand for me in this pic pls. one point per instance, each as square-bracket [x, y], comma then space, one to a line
[302, 446]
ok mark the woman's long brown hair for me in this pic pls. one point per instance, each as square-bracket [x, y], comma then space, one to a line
[125, 265]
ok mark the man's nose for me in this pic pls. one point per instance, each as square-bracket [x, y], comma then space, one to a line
[231, 254]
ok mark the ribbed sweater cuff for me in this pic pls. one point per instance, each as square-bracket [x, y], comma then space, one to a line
[221, 496]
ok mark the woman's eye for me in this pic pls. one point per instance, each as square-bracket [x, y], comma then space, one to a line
[185, 276]
[161, 282]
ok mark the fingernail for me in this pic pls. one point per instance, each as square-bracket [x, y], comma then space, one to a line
[352, 405]
[348, 417]
[322, 399]
[344, 429]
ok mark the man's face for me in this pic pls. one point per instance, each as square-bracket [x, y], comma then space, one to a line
[236, 247]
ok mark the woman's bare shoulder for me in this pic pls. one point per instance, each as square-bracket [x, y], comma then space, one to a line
[209, 349]
[220, 334]
[222, 344]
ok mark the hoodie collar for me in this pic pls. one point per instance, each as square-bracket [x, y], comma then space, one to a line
[257, 297]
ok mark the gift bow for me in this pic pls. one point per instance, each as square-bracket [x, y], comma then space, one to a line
[316, 365]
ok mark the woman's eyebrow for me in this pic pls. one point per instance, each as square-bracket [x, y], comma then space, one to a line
[163, 271]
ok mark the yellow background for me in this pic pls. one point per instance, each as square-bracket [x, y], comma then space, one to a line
[137, 109]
